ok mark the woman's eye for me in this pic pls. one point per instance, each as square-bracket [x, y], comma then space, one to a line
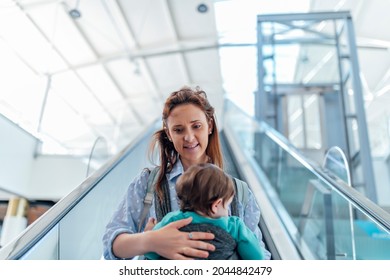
[197, 126]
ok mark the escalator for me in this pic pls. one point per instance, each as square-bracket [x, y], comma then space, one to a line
[307, 213]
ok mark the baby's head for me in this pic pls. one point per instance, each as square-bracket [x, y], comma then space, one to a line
[205, 189]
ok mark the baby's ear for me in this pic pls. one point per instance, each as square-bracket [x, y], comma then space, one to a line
[215, 205]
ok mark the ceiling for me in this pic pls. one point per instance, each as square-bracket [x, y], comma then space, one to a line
[100, 70]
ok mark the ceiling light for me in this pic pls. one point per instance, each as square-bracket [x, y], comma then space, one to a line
[202, 8]
[74, 13]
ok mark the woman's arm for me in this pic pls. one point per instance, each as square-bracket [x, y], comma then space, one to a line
[168, 242]
[124, 219]
[251, 215]
[121, 239]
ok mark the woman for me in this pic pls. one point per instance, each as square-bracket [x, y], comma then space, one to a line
[189, 136]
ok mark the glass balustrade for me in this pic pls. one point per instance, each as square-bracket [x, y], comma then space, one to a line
[327, 223]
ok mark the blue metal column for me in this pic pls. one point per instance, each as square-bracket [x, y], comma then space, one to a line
[343, 121]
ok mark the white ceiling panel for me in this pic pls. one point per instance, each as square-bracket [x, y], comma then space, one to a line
[55, 125]
[336, 5]
[104, 27]
[58, 28]
[39, 55]
[149, 110]
[374, 19]
[81, 98]
[150, 22]
[189, 23]
[377, 112]
[100, 83]
[129, 76]
[370, 57]
[169, 71]
[204, 67]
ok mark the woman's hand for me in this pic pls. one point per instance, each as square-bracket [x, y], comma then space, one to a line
[174, 244]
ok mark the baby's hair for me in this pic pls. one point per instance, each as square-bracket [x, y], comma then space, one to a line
[201, 185]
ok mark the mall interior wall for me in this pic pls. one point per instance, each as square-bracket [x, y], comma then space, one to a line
[34, 177]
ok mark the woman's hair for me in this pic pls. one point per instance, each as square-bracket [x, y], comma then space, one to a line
[201, 185]
[167, 153]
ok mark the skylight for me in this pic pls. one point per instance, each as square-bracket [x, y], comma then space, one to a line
[236, 24]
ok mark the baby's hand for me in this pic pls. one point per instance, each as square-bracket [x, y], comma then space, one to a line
[150, 224]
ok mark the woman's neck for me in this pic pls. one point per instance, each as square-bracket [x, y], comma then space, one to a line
[187, 164]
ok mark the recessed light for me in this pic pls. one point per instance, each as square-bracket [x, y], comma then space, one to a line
[74, 13]
[202, 8]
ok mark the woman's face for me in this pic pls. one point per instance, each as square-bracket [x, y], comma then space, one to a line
[188, 129]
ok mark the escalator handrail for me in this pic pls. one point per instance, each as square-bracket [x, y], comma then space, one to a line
[34, 232]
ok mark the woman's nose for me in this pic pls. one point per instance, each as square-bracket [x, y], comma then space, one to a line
[189, 136]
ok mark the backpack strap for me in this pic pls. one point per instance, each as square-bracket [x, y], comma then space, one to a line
[242, 195]
[148, 199]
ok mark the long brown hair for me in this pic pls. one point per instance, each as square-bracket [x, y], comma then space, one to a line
[201, 185]
[167, 152]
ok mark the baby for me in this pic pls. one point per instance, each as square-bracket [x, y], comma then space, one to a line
[205, 193]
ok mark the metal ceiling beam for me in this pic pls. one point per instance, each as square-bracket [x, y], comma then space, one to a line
[288, 17]
[70, 67]
[31, 5]
[307, 28]
[383, 82]
[107, 71]
[173, 25]
[144, 54]
[129, 53]
[91, 126]
[21, 58]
